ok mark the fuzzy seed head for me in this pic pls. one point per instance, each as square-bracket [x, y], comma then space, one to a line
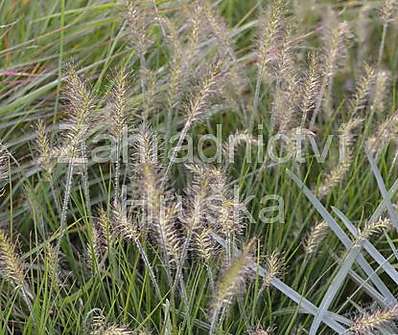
[274, 268]
[118, 101]
[369, 322]
[373, 228]
[80, 109]
[335, 44]
[272, 35]
[261, 331]
[149, 174]
[124, 225]
[388, 10]
[315, 237]
[52, 263]
[381, 92]
[167, 233]
[11, 267]
[386, 131]
[138, 19]
[311, 87]
[207, 89]
[235, 277]
[100, 235]
[364, 88]
[99, 326]
[204, 244]
[43, 147]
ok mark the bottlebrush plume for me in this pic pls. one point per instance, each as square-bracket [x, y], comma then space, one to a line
[160, 211]
[204, 244]
[118, 104]
[363, 90]
[208, 87]
[234, 278]
[369, 322]
[372, 228]
[99, 326]
[385, 132]
[44, 149]
[149, 174]
[122, 224]
[11, 267]
[274, 265]
[315, 237]
[167, 233]
[261, 331]
[272, 35]
[138, 19]
[311, 87]
[381, 92]
[388, 10]
[226, 209]
[198, 195]
[80, 104]
[100, 236]
[336, 35]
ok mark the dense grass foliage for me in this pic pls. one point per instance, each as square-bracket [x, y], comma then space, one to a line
[198, 167]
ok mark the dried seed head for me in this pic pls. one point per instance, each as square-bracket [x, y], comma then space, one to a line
[204, 244]
[315, 237]
[311, 87]
[99, 326]
[44, 149]
[196, 214]
[361, 98]
[261, 331]
[225, 207]
[52, 264]
[385, 132]
[11, 267]
[335, 37]
[124, 225]
[206, 90]
[197, 30]
[149, 174]
[288, 93]
[272, 35]
[100, 235]
[234, 277]
[167, 233]
[274, 268]
[138, 19]
[372, 228]
[230, 219]
[381, 91]
[369, 322]
[178, 66]
[80, 108]
[220, 30]
[118, 100]
[388, 11]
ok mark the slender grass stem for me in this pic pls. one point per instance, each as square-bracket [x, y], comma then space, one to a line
[149, 268]
[65, 204]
